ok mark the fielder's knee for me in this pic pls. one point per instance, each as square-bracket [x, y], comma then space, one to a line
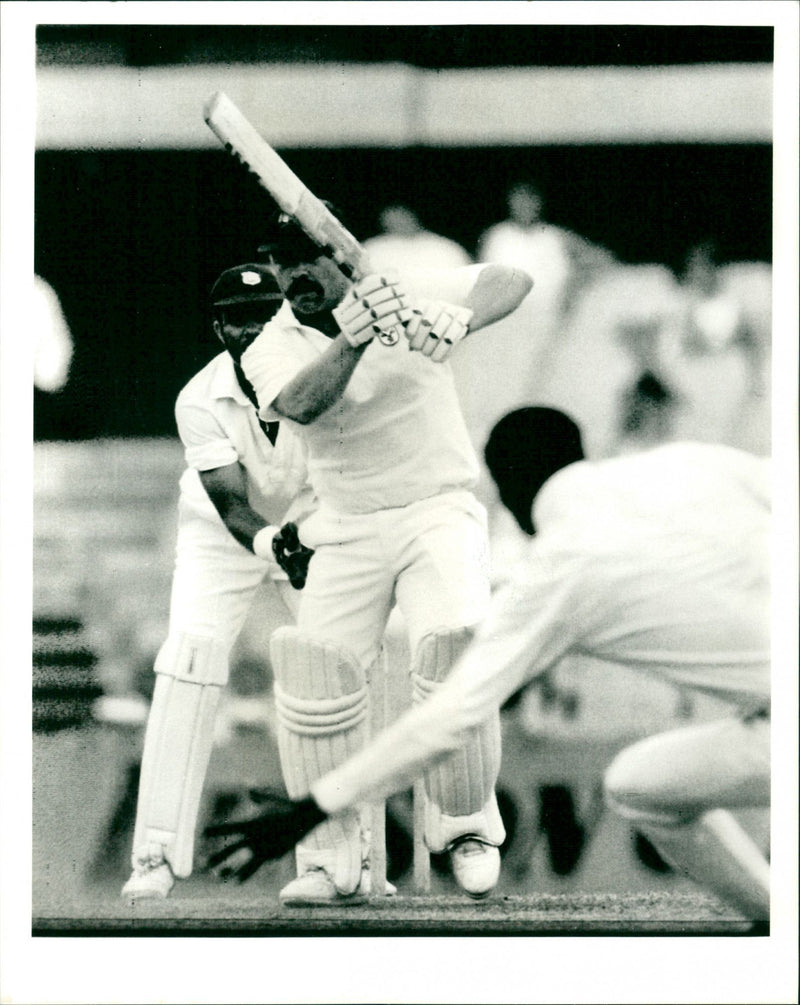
[629, 791]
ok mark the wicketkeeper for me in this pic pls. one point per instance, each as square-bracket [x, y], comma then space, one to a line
[244, 479]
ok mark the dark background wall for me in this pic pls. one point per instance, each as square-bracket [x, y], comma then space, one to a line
[132, 241]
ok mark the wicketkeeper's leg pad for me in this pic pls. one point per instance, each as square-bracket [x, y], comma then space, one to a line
[321, 703]
[460, 795]
[191, 671]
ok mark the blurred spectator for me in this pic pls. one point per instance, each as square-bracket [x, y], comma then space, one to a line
[527, 345]
[53, 342]
[405, 243]
[559, 260]
[728, 306]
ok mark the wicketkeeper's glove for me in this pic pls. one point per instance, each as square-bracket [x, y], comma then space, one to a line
[375, 304]
[292, 556]
[266, 837]
[435, 327]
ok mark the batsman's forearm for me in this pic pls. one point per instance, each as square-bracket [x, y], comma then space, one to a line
[497, 292]
[320, 384]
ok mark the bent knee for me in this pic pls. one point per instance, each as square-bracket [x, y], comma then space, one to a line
[635, 791]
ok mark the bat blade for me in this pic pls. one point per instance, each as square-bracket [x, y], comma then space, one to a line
[239, 136]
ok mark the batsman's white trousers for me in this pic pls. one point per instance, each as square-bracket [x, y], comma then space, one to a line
[431, 558]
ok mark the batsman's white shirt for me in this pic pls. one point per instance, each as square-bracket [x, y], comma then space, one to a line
[658, 561]
[397, 434]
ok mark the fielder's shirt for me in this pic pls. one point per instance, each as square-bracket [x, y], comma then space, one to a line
[397, 434]
[218, 426]
[658, 561]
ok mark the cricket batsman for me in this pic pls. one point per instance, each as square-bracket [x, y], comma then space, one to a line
[361, 371]
[657, 561]
[244, 479]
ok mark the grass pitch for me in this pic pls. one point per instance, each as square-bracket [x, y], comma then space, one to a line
[241, 913]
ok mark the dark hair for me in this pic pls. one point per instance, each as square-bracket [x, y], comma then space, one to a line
[286, 242]
[524, 449]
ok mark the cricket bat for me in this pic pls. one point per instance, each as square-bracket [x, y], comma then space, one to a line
[241, 139]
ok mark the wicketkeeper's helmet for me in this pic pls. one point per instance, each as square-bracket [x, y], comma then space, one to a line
[245, 284]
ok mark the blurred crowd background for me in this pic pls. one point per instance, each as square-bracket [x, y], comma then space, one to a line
[628, 169]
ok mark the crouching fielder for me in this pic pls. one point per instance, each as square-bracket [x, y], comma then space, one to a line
[243, 479]
[658, 561]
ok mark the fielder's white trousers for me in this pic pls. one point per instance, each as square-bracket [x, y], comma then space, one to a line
[695, 768]
[215, 578]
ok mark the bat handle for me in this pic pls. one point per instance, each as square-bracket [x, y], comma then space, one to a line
[389, 337]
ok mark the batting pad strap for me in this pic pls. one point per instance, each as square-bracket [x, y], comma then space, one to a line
[320, 716]
[443, 830]
[197, 659]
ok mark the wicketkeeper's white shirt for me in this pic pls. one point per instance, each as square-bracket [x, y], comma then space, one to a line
[218, 426]
[658, 561]
[397, 434]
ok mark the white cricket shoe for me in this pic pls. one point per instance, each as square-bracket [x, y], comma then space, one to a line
[476, 866]
[316, 888]
[150, 880]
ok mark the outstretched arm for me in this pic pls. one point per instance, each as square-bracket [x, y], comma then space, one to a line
[227, 489]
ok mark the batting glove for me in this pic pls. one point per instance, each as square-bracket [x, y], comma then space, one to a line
[291, 555]
[263, 838]
[374, 305]
[435, 327]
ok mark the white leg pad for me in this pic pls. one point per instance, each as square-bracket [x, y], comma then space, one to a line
[460, 790]
[321, 704]
[190, 673]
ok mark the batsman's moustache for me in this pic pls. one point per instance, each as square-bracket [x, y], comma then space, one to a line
[241, 139]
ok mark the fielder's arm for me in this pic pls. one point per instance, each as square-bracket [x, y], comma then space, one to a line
[512, 648]
[227, 489]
